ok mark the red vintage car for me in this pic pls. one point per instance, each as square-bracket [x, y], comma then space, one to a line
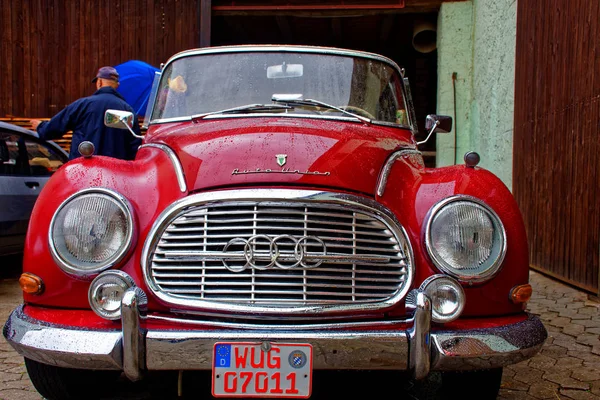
[277, 220]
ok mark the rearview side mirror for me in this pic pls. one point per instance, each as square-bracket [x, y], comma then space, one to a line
[442, 123]
[436, 123]
[120, 120]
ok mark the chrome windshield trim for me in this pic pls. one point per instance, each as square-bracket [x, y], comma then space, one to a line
[174, 160]
[385, 172]
[410, 107]
[283, 49]
[282, 115]
[278, 115]
[280, 196]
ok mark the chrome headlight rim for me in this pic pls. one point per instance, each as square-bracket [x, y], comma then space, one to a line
[435, 316]
[88, 274]
[470, 279]
[96, 284]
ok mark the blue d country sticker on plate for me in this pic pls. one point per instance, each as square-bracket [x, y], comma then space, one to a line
[223, 355]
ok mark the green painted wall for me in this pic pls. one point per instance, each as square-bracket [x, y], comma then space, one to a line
[455, 55]
[476, 40]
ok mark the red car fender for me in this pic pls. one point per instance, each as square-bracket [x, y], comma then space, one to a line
[149, 183]
[411, 192]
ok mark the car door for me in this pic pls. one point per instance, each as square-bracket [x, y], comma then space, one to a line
[25, 167]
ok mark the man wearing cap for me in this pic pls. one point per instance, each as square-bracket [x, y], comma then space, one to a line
[85, 117]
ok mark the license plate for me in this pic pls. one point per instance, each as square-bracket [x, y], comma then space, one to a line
[263, 370]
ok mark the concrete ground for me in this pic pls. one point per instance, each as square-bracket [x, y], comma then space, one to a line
[568, 367]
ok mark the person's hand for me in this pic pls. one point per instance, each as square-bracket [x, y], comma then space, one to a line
[35, 123]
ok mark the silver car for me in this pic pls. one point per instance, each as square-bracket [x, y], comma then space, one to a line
[26, 163]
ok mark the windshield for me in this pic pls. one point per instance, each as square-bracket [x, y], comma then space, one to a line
[209, 83]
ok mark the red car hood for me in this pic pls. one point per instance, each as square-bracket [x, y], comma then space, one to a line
[283, 151]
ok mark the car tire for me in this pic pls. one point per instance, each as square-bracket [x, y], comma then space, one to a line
[484, 384]
[56, 383]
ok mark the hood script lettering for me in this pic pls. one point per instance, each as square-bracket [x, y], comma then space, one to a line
[276, 171]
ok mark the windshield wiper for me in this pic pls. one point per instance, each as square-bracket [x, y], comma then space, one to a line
[311, 102]
[244, 109]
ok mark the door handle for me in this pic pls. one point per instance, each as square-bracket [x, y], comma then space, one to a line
[32, 184]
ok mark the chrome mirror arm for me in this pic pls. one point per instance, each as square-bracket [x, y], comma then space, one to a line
[124, 122]
[435, 125]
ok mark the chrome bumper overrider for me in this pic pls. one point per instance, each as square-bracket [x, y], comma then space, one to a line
[416, 349]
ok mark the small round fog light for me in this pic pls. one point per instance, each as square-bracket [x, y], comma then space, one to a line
[447, 297]
[106, 292]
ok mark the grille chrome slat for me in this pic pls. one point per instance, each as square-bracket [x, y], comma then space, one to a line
[248, 221]
[275, 292]
[177, 263]
[268, 211]
[179, 268]
[267, 285]
[276, 228]
[217, 256]
[179, 274]
[160, 278]
[289, 213]
[174, 238]
[339, 254]
[329, 246]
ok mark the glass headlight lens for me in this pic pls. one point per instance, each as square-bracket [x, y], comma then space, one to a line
[106, 292]
[447, 297]
[466, 239]
[91, 231]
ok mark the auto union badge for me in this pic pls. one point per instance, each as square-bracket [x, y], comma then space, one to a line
[281, 159]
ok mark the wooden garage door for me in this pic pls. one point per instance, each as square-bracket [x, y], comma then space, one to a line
[556, 175]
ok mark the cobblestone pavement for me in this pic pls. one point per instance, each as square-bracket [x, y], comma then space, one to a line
[568, 367]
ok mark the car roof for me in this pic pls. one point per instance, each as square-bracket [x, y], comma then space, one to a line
[32, 135]
[16, 128]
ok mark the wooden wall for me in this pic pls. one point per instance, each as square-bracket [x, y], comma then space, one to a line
[556, 175]
[51, 49]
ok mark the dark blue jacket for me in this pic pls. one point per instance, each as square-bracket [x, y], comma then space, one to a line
[85, 117]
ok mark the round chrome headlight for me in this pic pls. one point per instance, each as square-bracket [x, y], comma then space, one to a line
[91, 231]
[465, 239]
[447, 297]
[106, 292]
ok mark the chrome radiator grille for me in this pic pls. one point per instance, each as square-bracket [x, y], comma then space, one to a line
[285, 253]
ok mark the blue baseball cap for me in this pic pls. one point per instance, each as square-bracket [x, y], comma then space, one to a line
[107, 73]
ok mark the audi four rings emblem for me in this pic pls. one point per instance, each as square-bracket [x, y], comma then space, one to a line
[264, 252]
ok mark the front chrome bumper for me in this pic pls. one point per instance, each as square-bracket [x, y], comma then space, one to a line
[417, 349]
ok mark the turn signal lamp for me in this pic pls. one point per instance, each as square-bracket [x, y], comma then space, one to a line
[521, 294]
[31, 284]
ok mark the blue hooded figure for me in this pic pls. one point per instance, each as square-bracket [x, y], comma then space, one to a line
[136, 79]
